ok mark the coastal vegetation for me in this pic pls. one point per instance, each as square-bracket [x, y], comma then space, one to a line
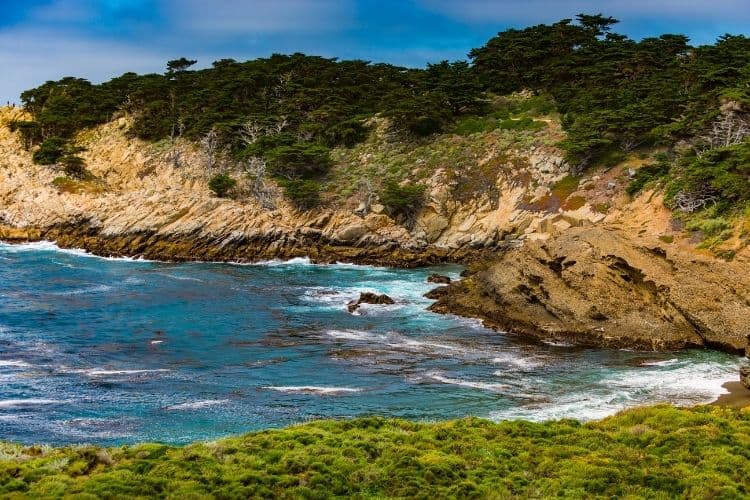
[614, 96]
[658, 452]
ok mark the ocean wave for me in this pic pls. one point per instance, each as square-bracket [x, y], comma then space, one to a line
[473, 384]
[350, 335]
[312, 389]
[295, 261]
[691, 383]
[13, 363]
[107, 373]
[24, 403]
[439, 348]
[84, 291]
[667, 362]
[197, 405]
[51, 246]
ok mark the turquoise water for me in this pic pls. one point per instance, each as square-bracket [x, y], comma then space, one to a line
[119, 351]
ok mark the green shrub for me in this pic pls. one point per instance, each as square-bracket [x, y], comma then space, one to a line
[649, 173]
[299, 161]
[303, 193]
[346, 133]
[221, 184]
[402, 200]
[469, 125]
[723, 173]
[50, 151]
[709, 227]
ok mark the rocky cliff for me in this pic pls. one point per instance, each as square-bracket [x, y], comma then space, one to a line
[556, 257]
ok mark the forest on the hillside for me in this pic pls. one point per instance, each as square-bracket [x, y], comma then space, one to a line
[614, 95]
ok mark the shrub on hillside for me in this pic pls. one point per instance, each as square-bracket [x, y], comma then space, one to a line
[221, 184]
[304, 193]
[299, 161]
[50, 151]
[402, 200]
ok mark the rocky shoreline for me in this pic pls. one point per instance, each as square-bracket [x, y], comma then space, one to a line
[592, 287]
[240, 248]
[587, 288]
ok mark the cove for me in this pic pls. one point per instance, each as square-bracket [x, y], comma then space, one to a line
[113, 351]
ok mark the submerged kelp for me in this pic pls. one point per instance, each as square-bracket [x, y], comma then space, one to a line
[652, 452]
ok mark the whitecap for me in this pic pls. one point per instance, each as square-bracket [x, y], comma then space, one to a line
[23, 403]
[180, 278]
[83, 291]
[296, 261]
[686, 384]
[51, 246]
[13, 363]
[517, 360]
[474, 384]
[350, 335]
[156, 342]
[667, 362]
[312, 389]
[197, 405]
[105, 373]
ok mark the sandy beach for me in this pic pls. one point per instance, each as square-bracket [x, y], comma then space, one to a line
[738, 396]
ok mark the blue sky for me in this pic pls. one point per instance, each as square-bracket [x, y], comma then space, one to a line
[99, 39]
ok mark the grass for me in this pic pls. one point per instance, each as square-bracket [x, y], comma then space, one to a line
[658, 452]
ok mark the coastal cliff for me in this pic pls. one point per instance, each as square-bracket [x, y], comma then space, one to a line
[554, 256]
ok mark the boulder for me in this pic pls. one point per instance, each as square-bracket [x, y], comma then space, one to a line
[352, 233]
[438, 278]
[377, 208]
[745, 375]
[369, 298]
[437, 293]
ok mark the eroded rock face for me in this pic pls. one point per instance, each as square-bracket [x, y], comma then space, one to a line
[369, 298]
[593, 286]
[745, 376]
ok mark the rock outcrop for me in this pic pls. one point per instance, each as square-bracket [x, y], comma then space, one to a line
[369, 298]
[593, 286]
[745, 376]
[439, 279]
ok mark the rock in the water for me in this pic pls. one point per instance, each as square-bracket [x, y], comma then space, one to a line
[438, 278]
[745, 376]
[437, 293]
[369, 298]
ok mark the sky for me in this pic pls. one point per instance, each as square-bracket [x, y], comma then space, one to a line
[98, 39]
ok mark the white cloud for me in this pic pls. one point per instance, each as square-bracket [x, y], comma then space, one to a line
[537, 11]
[228, 17]
[29, 58]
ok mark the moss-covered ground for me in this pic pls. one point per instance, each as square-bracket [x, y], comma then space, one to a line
[658, 452]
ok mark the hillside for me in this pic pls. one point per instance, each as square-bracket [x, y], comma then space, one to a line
[501, 193]
[597, 186]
